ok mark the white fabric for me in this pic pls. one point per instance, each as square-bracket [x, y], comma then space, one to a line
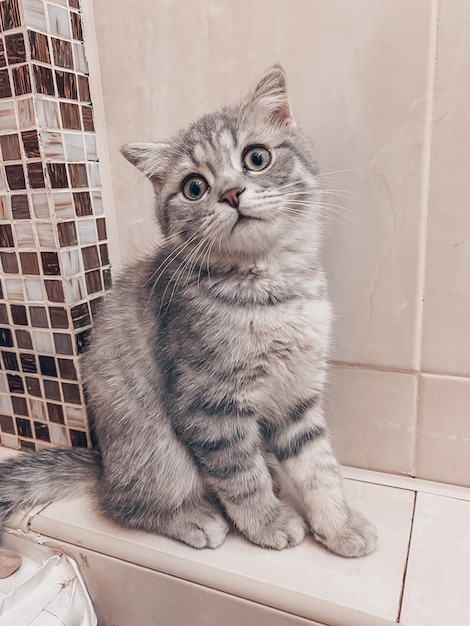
[47, 590]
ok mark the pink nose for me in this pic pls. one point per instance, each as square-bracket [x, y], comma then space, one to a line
[232, 196]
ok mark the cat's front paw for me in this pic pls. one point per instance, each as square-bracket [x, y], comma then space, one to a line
[357, 538]
[199, 527]
[287, 531]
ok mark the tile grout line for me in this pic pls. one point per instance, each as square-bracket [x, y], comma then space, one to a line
[405, 570]
[426, 209]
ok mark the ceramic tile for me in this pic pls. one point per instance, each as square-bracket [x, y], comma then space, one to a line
[34, 14]
[446, 341]
[40, 205]
[7, 116]
[39, 46]
[46, 235]
[63, 205]
[33, 290]
[10, 14]
[70, 262]
[20, 207]
[59, 21]
[87, 231]
[48, 113]
[26, 117]
[371, 585]
[443, 438]
[372, 418]
[52, 144]
[15, 48]
[74, 146]
[24, 235]
[436, 587]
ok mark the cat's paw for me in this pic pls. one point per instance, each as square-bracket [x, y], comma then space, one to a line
[287, 531]
[200, 528]
[357, 538]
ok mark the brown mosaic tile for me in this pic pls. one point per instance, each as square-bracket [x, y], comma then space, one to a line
[55, 413]
[6, 338]
[42, 431]
[28, 363]
[15, 383]
[5, 87]
[23, 427]
[18, 314]
[33, 386]
[74, 4]
[6, 236]
[10, 14]
[9, 262]
[10, 145]
[10, 361]
[70, 114]
[52, 390]
[20, 207]
[36, 175]
[47, 365]
[81, 315]
[39, 47]
[67, 234]
[63, 344]
[82, 203]
[50, 263]
[101, 227]
[104, 254]
[43, 78]
[84, 88]
[62, 52]
[3, 60]
[55, 291]
[76, 22]
[67, 369]
[107, 279]
[27, 445]
[15, 48]
[59, 317]
[15, 176]
[7, 425]
[20, 406]
[21, 80]
[57, 175]
[93, 281]
[71, 393]
[81, 340]
[95, 306]
[31, 143]
[78, 438]
[91, 259]
[29, 263]
[23, 339]
[66, 85]
[87, 117]
[38, 317]
[3, 209]
[3, 313]
[78, 175]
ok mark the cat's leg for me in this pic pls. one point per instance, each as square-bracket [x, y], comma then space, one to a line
[302, 446]
[160, 492]
[229, 452]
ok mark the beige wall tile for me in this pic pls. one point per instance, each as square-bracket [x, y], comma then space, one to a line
[446, 344]
[443, 438]
[372, 418]
[358, 75]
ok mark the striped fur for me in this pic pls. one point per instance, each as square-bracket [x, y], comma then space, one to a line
[212, 352]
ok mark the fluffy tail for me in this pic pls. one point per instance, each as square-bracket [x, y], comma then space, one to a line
[42, 477]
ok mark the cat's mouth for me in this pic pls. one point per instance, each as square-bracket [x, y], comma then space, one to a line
[244, 219]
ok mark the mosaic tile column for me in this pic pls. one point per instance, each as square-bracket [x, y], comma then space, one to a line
[53, 249]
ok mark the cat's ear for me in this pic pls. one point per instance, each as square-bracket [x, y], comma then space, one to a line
[270, 98]
[150, 158]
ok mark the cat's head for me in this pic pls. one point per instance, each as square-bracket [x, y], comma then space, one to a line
[237, 182]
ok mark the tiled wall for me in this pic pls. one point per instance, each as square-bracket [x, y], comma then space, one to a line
[384, 89]
[53, 249]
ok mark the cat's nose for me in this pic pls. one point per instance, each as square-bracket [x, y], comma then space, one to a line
[232, 196]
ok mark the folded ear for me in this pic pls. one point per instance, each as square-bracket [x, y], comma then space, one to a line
[270, 98]
[150, 158]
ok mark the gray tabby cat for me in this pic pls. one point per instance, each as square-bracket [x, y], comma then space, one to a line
[213, 351]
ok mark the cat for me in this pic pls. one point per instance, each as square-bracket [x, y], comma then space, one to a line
[212, 352]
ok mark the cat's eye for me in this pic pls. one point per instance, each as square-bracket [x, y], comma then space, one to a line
[194, 187]
[256, 158]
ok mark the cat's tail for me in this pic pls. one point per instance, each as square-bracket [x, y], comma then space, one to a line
[41, 477]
